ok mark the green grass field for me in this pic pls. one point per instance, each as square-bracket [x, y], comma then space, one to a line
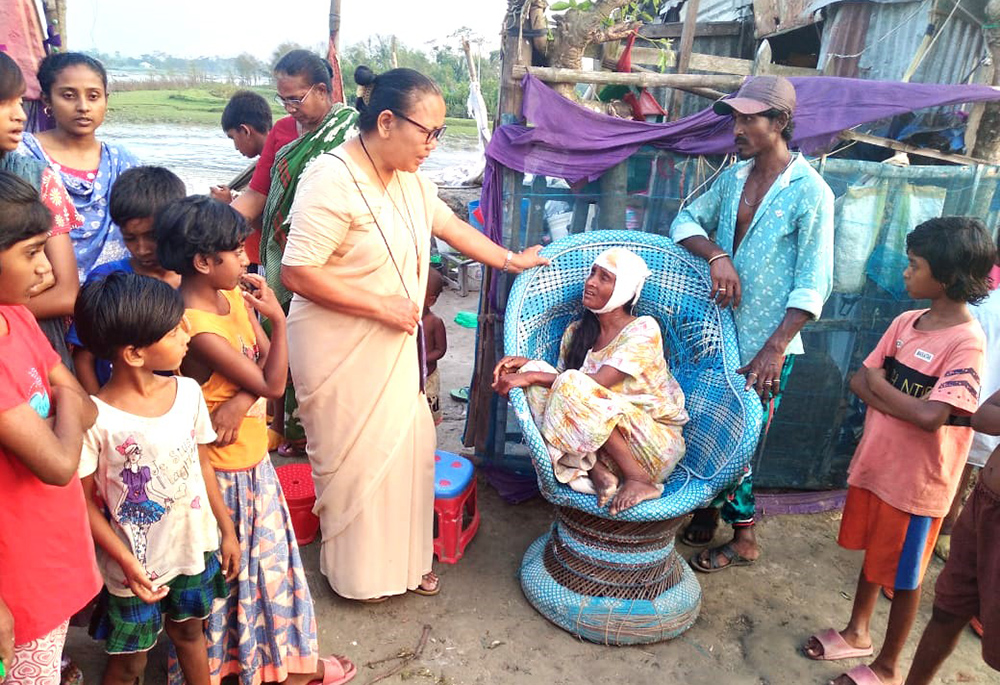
[203, 106]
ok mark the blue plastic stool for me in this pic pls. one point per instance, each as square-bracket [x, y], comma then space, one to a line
[454, 496]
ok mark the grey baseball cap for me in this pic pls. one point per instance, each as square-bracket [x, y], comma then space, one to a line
[759, 94]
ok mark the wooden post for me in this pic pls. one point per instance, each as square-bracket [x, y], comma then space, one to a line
[333, 53]
[684, 54]
[55, 19]
[988, 133]
[483, 405]
[392, 54]
[614, 193]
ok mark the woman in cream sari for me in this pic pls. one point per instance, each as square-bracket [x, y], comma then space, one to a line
[356, 260]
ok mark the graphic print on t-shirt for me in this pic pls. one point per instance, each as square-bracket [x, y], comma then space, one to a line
[908, 380]
[38, 399]
[136, 511]
[916, 384]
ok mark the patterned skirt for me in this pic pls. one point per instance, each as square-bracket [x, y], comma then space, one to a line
[266, 628]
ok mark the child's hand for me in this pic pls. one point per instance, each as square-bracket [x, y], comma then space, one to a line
[230, 556]
[221, 193]
[6, 635]
[227, 419]
[139, 582]
[262, 298]
[48, 281]
[67, 399]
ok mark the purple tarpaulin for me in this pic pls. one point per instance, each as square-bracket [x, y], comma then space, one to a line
[574, 143]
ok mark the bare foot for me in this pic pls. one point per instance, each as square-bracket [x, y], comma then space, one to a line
[631, 493]
[701, 528]
[605, 482]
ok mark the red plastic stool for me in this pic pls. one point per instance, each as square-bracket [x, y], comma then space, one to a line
[454, 496]
[300, 493]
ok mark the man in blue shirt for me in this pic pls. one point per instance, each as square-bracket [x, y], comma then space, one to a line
[770, 257]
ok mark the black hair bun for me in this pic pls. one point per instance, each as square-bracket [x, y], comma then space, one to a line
[364, 76]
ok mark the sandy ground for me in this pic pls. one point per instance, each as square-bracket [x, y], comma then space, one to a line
[484, 631]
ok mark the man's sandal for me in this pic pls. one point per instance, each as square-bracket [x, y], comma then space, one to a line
[727, 550]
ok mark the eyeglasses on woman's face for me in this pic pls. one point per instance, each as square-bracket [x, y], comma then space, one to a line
[432, 133]
[293, 103]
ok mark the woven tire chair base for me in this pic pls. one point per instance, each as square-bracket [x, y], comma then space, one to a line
[611, 582]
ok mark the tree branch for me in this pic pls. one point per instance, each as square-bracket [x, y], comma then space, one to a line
[617, 32]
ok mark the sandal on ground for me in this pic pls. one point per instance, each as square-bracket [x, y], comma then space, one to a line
[863, 675]
[977, 626]
[728, 551]
[336, 670]
[420, 590]
[292, 449]
[696, 526]
[374, 600]
[942, 548]
[835, 647]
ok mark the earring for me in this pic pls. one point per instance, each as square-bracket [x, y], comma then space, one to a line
[47, 110]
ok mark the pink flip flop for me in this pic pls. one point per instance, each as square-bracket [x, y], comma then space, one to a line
[336, 671]
[835, 647]
[862, 675]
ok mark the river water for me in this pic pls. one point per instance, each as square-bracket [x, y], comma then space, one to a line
[203, 156]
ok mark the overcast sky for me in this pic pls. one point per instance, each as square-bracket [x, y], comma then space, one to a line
[193, 28]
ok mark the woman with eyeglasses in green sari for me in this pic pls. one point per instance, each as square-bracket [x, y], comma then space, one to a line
[314, 125]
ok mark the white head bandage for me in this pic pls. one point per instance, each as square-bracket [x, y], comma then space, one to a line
[630, 273]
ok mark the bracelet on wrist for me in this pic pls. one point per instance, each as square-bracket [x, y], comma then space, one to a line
[718, 256]
[506, 261]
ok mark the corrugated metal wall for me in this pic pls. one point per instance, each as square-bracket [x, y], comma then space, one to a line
[895, 31]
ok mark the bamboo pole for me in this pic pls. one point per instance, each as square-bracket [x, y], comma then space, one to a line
[610, 64]
[684, 55]
[910, 149]
[644, 80]
[467, 49]
[55, 19]
[333, 53]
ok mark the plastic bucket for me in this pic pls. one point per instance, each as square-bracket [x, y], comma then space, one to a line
[300, 493]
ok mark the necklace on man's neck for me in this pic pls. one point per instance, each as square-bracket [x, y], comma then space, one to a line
[743, 195]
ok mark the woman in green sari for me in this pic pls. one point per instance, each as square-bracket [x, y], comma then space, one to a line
[315, 125]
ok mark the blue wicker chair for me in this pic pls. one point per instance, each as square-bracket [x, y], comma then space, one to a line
[618, 580]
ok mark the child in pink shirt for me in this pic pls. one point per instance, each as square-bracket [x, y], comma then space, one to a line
[921, 385]
[47, 566]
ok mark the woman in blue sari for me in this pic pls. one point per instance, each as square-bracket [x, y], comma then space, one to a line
[75, 91]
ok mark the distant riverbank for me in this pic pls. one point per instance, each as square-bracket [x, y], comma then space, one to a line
[203, 106]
